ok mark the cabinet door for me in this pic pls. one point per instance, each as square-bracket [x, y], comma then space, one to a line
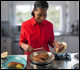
[4, 11]
[6, 48]
[6, 45]
[16, 48]
[73, 44]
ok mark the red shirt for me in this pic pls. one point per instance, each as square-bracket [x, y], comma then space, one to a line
[37, 35]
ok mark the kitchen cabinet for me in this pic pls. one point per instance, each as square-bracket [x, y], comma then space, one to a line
[73, 44]
[16, 48]
[4, 11]
[6, 45]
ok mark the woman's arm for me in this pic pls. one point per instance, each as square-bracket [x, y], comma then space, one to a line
[23, 43]
[26, 47]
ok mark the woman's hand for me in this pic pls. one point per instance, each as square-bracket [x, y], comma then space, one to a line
[58, 47]
[26, 47]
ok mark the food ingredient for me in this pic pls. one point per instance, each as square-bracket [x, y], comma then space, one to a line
[19, 66]
[15, 65]
[40, 57]
[4, 54]
[63, 46]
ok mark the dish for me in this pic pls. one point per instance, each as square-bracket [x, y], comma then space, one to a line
[13, 58]
[15, 65]
[40, 57]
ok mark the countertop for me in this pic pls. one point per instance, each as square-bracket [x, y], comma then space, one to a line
[65, 34]
[56, 34]
[60, 64]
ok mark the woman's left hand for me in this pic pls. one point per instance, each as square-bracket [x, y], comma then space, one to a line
[58, 47]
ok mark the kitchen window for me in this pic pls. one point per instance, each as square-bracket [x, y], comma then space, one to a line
[23, 13]
[54, 16]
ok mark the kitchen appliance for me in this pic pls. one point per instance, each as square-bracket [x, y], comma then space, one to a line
[63, 56]
[36, 66]
[75, 66]
[76, 56]
[49, 65]
[47, 61]
[41, 65]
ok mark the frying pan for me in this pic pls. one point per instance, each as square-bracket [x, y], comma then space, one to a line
[47, 61]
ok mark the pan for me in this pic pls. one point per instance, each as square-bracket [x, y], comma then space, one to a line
[47, 61]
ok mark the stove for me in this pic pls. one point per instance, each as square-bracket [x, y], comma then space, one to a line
[63, 56]
[38, 66]
[75, 66]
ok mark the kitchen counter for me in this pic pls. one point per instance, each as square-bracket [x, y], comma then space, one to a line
[16, 37]
[65, 34]
[62, 64]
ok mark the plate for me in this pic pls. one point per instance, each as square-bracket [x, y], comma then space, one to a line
[15, 58]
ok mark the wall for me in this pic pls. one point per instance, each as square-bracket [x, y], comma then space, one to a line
[77, 8]
[72, 13]
[4, 7]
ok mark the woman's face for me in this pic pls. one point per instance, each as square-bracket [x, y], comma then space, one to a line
[40, 14]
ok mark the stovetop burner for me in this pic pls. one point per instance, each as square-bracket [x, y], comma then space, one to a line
[76, 56]
[63, 56]
[75, 66]
[38, 66]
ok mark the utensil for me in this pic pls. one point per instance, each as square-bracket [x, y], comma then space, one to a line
[38, 48]
[47, 61]
[14, 58]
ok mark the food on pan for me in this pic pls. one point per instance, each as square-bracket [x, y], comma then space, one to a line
[15, 65]
[40, 57]
[37, 59]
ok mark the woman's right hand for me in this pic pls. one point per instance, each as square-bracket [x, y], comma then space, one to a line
[26, 47]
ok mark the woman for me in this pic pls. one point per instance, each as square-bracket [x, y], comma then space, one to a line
[37, 32]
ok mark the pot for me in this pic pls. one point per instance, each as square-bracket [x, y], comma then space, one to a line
[47, 61]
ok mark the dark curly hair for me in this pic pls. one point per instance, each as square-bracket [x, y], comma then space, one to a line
[42, 4]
